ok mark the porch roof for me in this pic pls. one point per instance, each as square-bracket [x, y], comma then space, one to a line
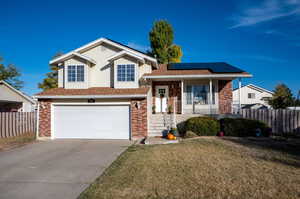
[164, 73]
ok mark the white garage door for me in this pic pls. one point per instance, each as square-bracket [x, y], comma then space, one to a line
[91, 121]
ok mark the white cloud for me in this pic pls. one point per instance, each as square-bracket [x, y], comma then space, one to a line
[138, 46]
[267, 11]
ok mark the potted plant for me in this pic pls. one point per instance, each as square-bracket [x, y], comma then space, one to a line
[174, 131]
[170, 108]
[153, 109]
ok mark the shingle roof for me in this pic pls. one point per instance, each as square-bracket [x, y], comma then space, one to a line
[94, 91]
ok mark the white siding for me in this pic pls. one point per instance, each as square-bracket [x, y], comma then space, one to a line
[125, 84]
[259, 94]
[100, 74]
[103, 74]
[7, 94]
[76, 85]
[61, 77]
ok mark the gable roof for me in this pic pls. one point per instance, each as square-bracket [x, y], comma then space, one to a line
[252, 86]
[122, 53]
[17, 91]
[107, 41]
[70, 55]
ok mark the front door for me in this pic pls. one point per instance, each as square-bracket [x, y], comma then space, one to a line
[161, 95]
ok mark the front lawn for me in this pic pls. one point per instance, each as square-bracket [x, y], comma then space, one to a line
[201, 168]
[12, 142]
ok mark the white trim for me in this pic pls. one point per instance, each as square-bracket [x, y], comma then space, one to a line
[17, 91]
[196, 76]
[86, 104]
[259, 88]
[182, 87]
[70, 55]
[88, 96]
[90, 104]
[101, 40]
[122, 53]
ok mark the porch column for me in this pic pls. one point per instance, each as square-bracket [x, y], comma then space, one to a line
[181, 97]
[240, 94]
[210, 96]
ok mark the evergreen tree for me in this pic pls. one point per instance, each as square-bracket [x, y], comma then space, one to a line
[282, 97]
[161, 40]
[51, 80]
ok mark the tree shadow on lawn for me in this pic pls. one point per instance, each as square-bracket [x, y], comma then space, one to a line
[289, 148]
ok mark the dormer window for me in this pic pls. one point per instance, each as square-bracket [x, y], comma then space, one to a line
[76, 73]
[126, 73]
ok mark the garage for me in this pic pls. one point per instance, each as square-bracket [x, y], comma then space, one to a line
[90, 121]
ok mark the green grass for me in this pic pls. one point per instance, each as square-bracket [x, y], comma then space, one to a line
[12, 142]
[200, 168]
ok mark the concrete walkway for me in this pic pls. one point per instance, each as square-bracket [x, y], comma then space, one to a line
[55, 169]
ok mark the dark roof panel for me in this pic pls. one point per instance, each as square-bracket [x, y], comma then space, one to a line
[215, 67]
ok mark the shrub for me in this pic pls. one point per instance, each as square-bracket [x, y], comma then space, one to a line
[203, 126]
[190, 134]
[242, 127]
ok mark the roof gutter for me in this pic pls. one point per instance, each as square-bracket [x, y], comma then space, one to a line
[197, 76]
[89, 96]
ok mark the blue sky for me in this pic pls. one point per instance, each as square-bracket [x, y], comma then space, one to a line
[261, 37]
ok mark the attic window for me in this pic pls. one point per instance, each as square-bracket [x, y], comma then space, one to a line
[125, 73]
[75, 73]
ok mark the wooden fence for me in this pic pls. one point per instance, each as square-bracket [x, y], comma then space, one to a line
[281, 121]
[17, 123]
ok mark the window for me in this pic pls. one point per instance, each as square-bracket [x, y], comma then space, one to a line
[251, 95]
[75, 73]
[125, 73]
[199, 94]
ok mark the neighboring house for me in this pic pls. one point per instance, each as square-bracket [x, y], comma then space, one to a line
[252, 97]
[108, 90]
[13, 100]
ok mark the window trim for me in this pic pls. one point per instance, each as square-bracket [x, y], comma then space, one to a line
[214, 91]
[250, 94]
[126, 77]
[75, 73]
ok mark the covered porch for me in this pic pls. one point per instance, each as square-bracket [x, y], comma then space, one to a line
[192, 96]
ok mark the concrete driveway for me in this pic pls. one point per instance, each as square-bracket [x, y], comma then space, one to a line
[55, 169]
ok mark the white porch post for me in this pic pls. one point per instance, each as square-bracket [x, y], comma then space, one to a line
[181, 97]
[210, 96]
[240, 94]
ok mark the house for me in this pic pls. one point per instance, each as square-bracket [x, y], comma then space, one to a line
[107, 90]
[13, 100]
[252, 97]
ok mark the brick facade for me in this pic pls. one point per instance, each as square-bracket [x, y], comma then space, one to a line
[174, 92]
[45, 118]
[225, 96]
[139, 124]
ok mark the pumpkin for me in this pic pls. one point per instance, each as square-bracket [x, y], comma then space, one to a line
[171, 136]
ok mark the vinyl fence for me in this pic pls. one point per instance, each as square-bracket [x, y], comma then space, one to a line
[16, 123]
[281, 121]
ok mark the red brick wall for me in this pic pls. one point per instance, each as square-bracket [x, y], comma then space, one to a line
[45, 118]
[225, 96]
[174, 91]
[139, 124]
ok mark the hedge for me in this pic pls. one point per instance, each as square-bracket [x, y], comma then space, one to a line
[203, 126]
[242, 127]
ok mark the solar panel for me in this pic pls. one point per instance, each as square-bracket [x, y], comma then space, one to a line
[216, 67]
